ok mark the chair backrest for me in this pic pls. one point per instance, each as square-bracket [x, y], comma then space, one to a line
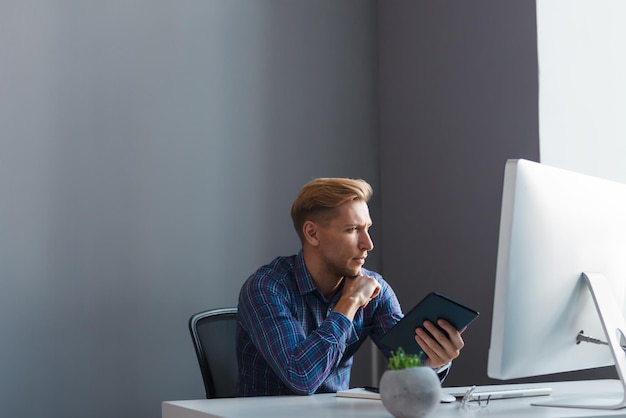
[213, 335]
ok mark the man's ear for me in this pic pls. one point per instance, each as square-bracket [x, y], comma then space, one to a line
[310, 232]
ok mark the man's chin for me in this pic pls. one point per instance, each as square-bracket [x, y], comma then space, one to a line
[353, 272]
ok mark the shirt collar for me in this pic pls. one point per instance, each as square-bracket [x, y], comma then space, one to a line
[304, 280]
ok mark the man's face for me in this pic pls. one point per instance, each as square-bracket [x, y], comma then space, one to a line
[345, 240]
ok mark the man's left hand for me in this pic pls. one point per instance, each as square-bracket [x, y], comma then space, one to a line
[439, 348]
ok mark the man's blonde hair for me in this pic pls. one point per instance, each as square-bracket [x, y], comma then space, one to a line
[318, 198]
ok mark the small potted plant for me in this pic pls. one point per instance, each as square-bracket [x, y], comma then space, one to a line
[408, 389]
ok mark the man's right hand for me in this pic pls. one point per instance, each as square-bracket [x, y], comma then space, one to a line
[357, 292]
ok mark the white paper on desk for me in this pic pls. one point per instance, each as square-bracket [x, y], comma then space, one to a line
[358, 393]
[367, 394]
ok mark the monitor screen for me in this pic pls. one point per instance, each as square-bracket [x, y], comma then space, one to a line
[556, 225]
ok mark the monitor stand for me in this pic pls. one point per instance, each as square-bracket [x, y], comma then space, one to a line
[614, 327]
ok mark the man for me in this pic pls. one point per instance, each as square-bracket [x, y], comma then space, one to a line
[302, 318]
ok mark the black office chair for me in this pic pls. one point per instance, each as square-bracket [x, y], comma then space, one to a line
[213, 335]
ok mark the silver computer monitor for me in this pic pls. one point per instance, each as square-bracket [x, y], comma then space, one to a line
[560, 277]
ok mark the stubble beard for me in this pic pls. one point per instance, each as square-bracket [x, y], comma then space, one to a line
[348, 271]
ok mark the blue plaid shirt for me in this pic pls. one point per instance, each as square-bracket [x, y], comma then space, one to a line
[289, 341]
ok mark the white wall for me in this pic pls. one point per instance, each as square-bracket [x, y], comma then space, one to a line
[582, 63]
[149, 154]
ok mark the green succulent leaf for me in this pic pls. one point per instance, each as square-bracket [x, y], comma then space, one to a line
[401, 360]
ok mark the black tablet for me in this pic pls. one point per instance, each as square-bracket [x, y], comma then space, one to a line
[433, 307]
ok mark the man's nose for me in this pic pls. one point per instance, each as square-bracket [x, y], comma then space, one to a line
[366, 242]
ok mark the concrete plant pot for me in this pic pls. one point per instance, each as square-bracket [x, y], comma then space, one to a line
[410, 393]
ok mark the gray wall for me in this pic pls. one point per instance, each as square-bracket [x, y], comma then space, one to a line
[458, 87]
[150, 151]
[458, 93]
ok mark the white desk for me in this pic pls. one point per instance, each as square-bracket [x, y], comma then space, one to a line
[331, 406]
